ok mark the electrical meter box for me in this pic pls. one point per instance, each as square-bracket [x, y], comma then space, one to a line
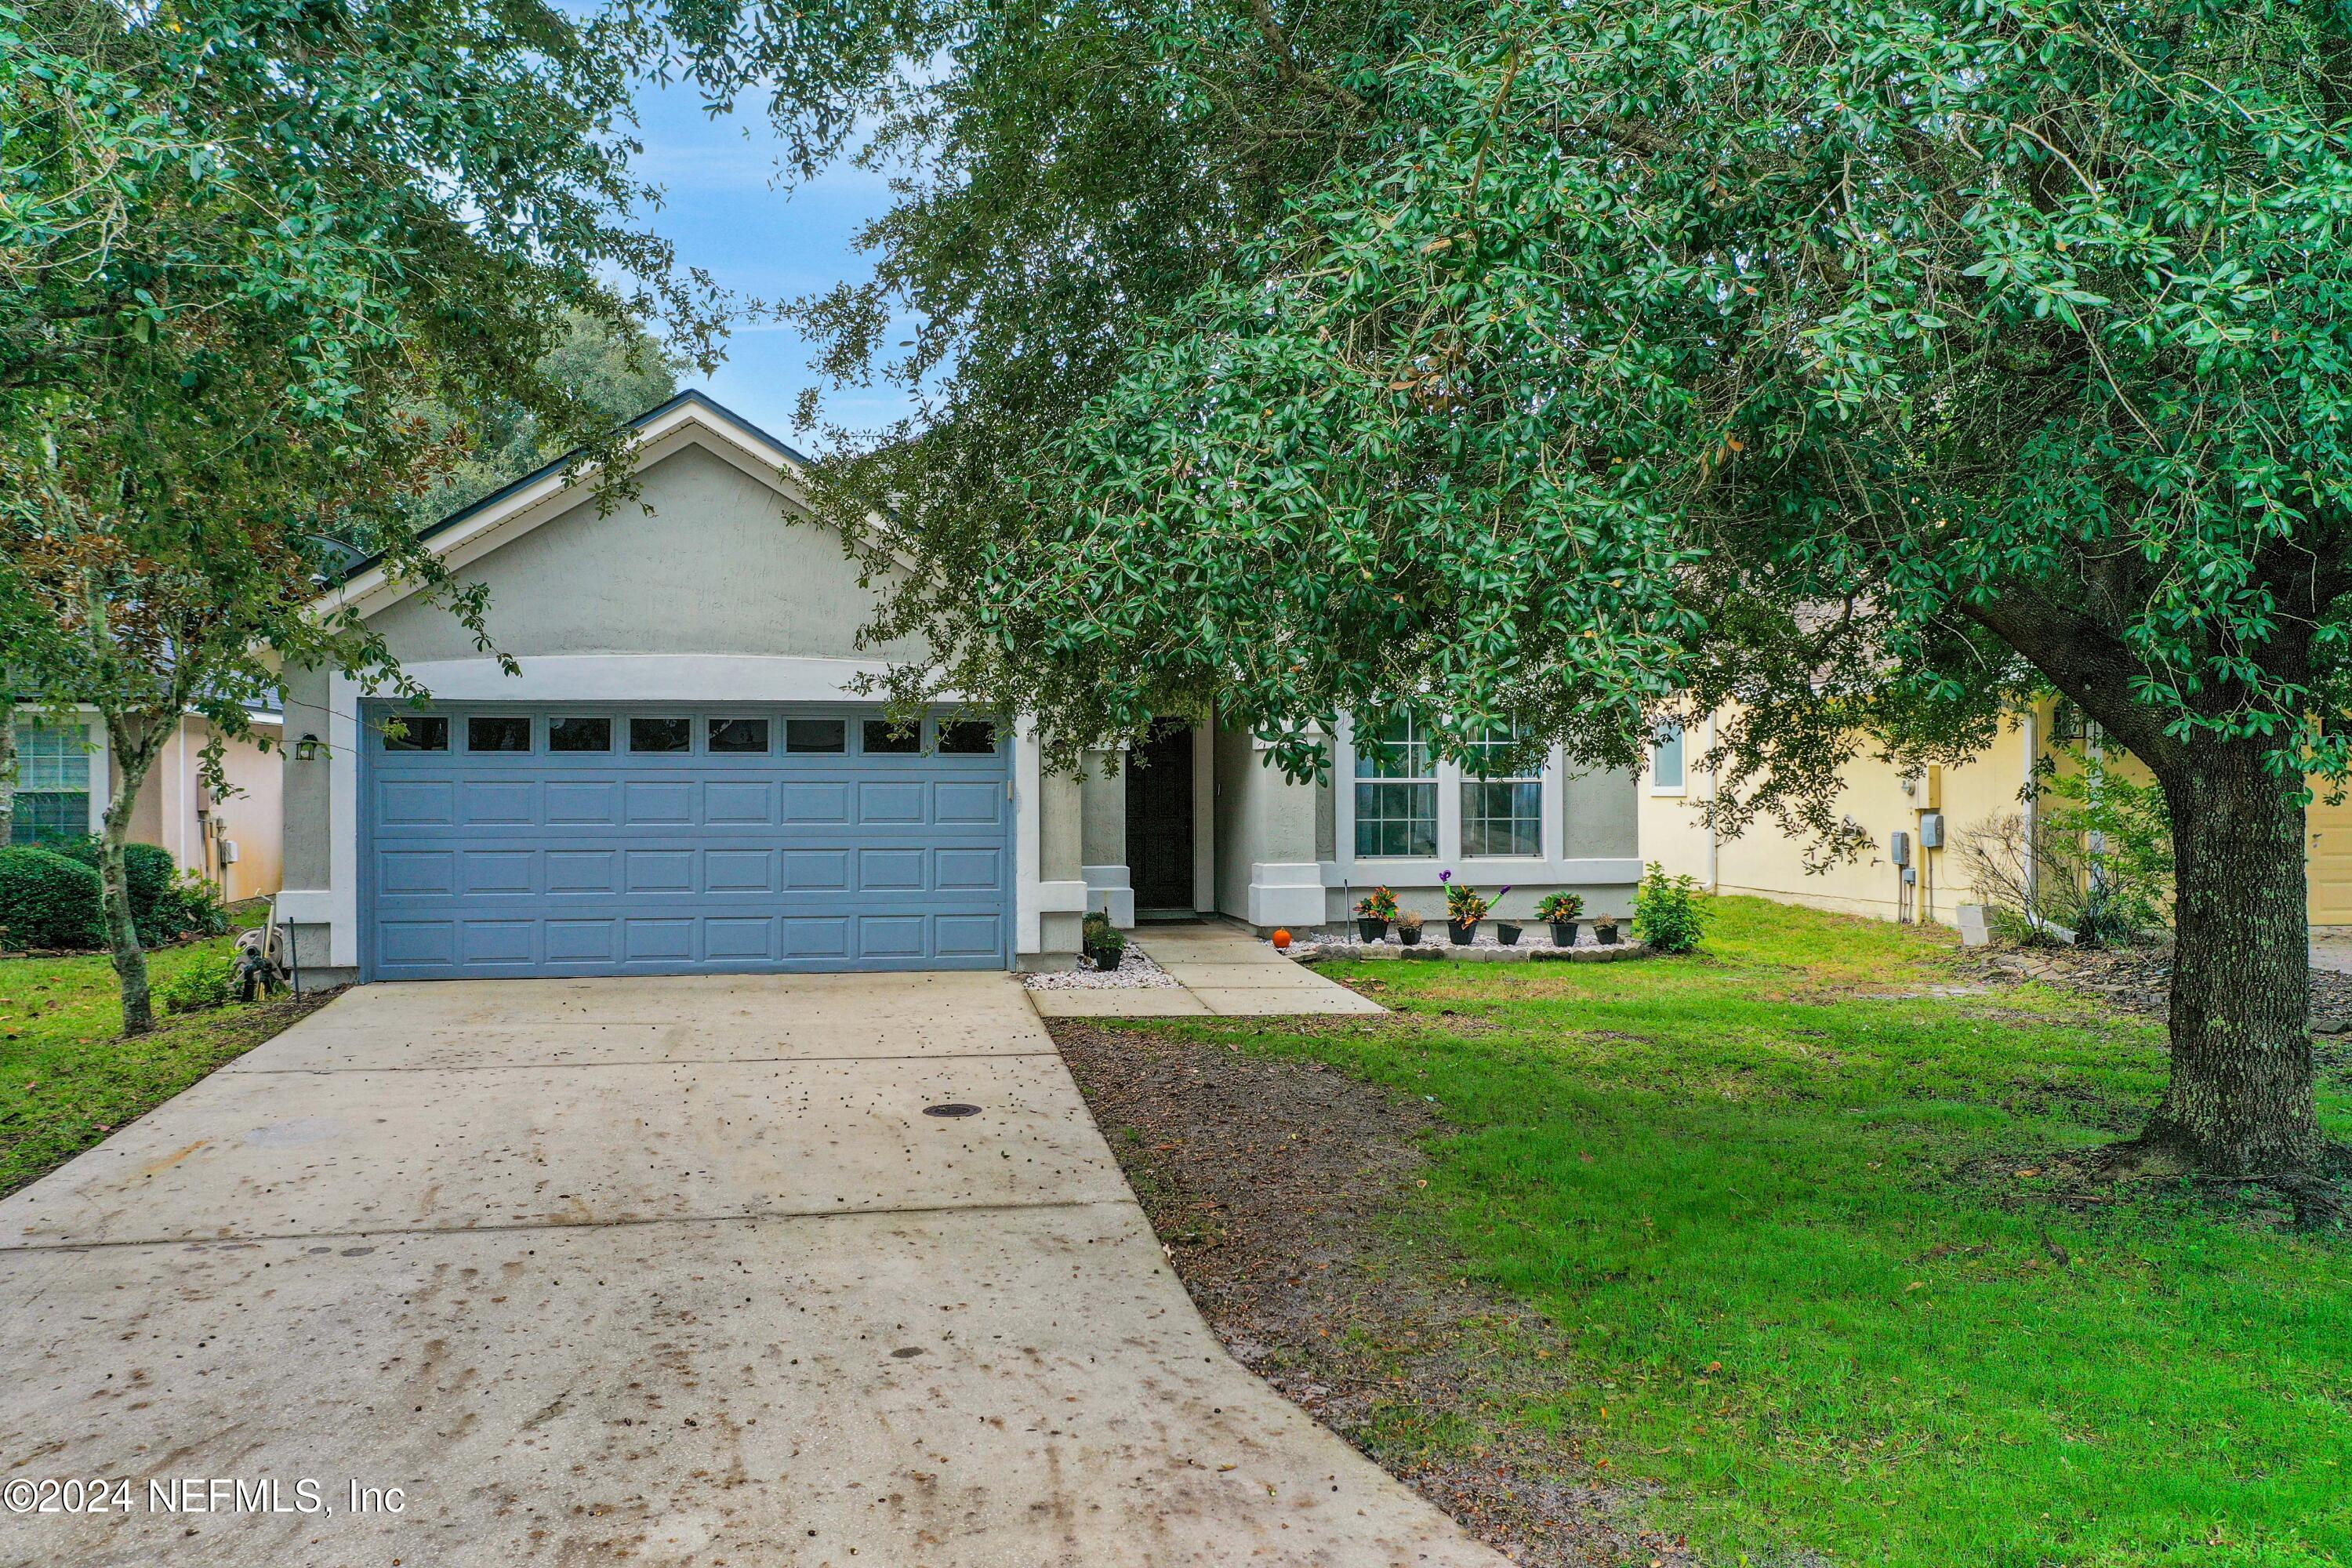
[1931, 830]
[1898, 849]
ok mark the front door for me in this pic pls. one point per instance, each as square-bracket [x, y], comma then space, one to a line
[1159, 818]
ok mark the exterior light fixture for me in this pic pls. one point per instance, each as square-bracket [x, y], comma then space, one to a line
[306, 750]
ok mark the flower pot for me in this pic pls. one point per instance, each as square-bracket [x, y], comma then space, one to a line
[1462, 933]
[1605, 933]
[1106, 957]
[1409, 935]
[1507, 933]
[1563, 934]
[1369, 928]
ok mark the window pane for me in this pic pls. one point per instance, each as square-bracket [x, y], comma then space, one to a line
[1487, 754]
[884, 738]
[968, 738]
[579, 734]
[506, 732]
[1502, 818]
[419, 733]
[1407, 756]
[661, 735]
[46, 817]
[829, 736]
[738, 734]
[1396, 819]
[1666, 759]
[53, 757]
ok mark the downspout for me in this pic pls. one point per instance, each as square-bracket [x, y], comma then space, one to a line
[2033, 858]
[1714, 882]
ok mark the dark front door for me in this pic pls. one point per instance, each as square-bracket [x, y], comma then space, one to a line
[1159, 818]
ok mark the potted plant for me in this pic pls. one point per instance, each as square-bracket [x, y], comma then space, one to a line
[1408, 926]
[1463, 910]
[1561, 911]
[1374, 910]
[1604, 929]
[1104, 943]
[1505, 932]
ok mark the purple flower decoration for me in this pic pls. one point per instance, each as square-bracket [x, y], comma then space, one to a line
[1445, 875]
[1501, 891]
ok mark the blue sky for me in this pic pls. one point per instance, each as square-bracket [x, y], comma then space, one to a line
[725, 214]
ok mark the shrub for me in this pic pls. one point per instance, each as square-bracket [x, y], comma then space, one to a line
[2096, 862]
[1380, 904]
[47, 899]
[1668, 912]
[209, 981]
[166, 903]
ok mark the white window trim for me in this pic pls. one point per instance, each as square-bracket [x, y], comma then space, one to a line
[1650, 769]
[1553, 866]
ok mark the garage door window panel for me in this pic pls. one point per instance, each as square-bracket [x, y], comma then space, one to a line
[416, 733]
[661, 735]
[816, 737]
[497, 732]
[579, 734]
[740, 736]
[884, 739]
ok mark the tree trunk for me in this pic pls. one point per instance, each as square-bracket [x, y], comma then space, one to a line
[133, 755]
[7, 769]
[2240, 1102]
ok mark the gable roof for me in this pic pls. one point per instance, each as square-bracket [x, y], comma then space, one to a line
[691, 418]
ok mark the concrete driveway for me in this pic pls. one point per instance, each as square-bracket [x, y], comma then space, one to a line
[646, 1271]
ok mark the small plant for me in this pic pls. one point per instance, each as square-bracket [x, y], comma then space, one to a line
[1462, 904]
[1380, 904]
[1408, 925]
[205, 982]
[1667, 911]
[1104, 943]
[1560, 908]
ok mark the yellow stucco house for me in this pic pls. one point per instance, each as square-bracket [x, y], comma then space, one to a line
[1884, 801]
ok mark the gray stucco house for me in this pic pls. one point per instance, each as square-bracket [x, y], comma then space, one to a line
[683, 778]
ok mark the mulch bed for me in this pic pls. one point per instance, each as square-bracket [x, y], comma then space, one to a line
[1267, 1182]
[2140, 979]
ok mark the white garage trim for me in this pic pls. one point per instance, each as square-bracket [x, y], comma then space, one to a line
[636, 678]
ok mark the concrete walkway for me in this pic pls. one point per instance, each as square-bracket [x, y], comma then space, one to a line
[655, 1271]
[1219, 970]
[2331, 948]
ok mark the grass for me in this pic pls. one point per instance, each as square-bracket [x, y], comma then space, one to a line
[68, 1077]
[1794, 1212]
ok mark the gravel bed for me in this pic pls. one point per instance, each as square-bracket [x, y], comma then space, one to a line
[1535, 944]
[1137, 972]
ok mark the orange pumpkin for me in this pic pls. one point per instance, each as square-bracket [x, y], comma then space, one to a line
[1281, 939]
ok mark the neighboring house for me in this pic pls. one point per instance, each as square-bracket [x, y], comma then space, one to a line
[62, 773]
[684, 777]
[1885, 801]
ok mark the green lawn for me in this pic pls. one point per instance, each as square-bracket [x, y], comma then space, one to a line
[1794, 1218]
[67, 1076]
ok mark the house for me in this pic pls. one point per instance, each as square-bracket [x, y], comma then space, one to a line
[231, 840]
[1932, 807]
[685, 775]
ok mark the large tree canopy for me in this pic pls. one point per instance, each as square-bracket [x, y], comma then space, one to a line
[248, 246]
[1861, 367]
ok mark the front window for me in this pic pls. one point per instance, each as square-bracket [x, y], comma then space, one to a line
[1396, 793]
[1502, 808]
[52, 784]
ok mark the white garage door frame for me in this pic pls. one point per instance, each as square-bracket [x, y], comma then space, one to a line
[636, 678]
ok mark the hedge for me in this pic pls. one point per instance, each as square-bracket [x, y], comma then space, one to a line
[48, 899]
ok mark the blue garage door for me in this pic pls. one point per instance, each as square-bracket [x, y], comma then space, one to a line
[680, 839]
